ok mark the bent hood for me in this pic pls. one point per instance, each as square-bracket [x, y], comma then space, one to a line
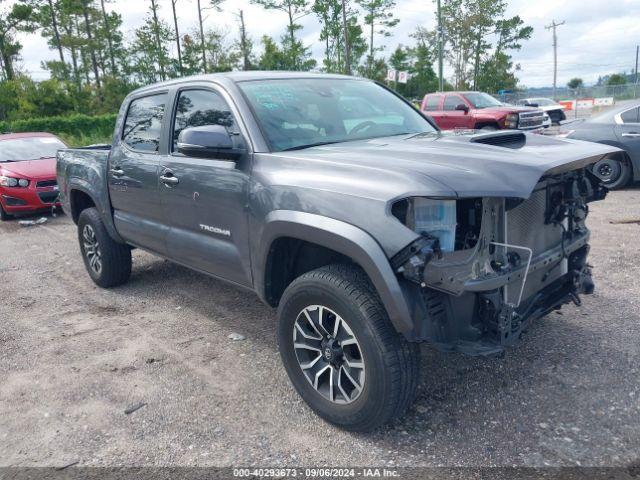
[454, 165]
[45, 168]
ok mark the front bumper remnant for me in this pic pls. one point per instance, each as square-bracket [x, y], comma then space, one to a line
[481, 300]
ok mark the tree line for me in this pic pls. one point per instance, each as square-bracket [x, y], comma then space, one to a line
[96, 65]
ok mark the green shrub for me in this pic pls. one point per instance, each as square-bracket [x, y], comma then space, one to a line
[74, 126]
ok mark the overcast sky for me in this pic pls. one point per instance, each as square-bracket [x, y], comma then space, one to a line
[599, 36]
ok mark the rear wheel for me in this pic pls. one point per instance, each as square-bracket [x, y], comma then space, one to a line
[107, 261]
[341, 352]
[614, 173]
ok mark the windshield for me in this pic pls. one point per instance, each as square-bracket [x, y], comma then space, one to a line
[482, 100]
[29, 148]
[299, 113]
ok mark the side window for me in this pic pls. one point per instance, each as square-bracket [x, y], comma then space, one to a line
[433, 101]
[144, 122]
[451, 102]
[630, 116]
[197, 108]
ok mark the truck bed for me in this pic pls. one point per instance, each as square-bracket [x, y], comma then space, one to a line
[85, 170]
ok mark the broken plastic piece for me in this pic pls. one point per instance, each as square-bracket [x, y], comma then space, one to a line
[31, 223]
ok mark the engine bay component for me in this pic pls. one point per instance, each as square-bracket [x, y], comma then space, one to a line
[514, 261]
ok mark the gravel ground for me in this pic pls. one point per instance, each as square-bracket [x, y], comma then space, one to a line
[74, 357]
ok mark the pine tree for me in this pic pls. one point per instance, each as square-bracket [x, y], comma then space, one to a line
[296, 55]
[16, 20]
[379, 20]
[149, 50]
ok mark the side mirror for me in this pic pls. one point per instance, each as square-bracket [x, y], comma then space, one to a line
[208, 141]
[462, 107]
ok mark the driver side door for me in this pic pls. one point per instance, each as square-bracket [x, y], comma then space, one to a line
[452, 118]
[205, 200]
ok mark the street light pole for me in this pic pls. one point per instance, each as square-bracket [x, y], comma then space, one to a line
[440, 49]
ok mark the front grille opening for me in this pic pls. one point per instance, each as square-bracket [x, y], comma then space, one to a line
[469, 220]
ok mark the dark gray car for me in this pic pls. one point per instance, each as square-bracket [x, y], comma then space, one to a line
[343, 206]
[619, 127]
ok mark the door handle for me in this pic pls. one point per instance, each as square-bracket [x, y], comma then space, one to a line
[168, 179]
[117, 172]
[631, 134]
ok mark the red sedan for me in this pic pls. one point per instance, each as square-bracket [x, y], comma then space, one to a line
[28, 173]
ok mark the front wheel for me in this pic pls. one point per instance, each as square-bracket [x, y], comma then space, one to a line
[614, 173]
[341, 352]
[107, 261]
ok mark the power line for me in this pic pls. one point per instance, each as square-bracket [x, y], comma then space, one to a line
[553, 27]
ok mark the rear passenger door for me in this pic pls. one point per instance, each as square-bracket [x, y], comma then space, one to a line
[133, 173]
[206, 210]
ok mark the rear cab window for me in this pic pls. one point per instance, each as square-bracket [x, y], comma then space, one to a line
[143, 123]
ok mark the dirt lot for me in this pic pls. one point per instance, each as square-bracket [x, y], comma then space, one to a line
[73, 357]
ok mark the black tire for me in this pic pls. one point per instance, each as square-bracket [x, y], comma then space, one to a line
[556, 117]
[614, 173]
[489, 128]
[114, 257]
[391, 363]
[4, 216]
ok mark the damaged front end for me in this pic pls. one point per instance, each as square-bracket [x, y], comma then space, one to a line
[484, 268]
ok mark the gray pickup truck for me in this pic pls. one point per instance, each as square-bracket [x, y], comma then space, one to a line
[336, 201]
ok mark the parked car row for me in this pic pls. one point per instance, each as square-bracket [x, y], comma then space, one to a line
[619, 127]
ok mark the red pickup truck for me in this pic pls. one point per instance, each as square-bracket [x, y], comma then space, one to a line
[477, 110]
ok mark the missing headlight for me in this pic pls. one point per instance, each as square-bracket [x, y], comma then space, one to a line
[455, 223]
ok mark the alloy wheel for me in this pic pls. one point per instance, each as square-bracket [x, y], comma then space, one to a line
[91, 248]
[329, 354]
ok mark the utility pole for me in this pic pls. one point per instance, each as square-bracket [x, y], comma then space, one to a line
[553, 27]
[440, 50]
[635, 86]
[347, 47]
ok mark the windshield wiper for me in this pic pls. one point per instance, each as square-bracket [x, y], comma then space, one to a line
[435, 133]
[310, 145]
